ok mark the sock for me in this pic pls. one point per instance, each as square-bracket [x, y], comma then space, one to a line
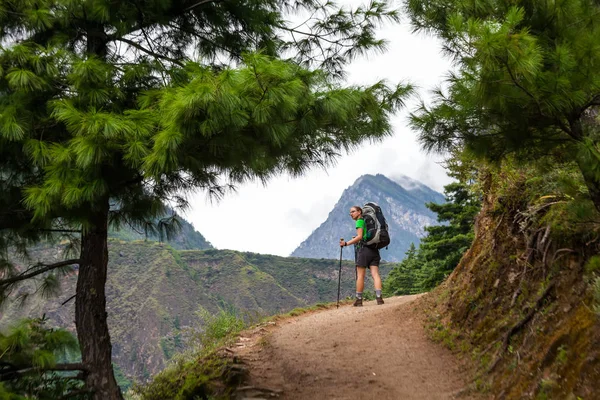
[378, 293]
[359, 295]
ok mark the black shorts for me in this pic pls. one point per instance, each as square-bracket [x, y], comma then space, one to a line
[366, 257]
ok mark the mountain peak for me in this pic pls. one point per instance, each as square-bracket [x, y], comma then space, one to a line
[404, 209]
[371, 178]
[407, 182]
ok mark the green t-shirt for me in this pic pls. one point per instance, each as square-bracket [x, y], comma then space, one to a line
[360, 223]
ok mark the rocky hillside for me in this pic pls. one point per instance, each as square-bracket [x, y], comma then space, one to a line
[403, 205]
[154, 293]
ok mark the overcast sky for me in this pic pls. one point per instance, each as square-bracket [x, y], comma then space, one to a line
[276, 218]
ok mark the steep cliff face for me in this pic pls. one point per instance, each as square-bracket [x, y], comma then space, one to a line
[521, 303]
[403, 207]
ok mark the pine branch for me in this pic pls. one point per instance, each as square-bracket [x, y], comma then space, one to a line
[595, 101]
[61, 230]
[143, 25]
[68, 300]
[46, 268]
[198, 35]
[198, 4]
[145, 50]
[308, 19]
[537, 103]
[337, 42]
[12, 371]
[133, 228]
[143, 30]
[68, 367]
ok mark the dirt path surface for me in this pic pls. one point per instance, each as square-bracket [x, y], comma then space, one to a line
[369, 352]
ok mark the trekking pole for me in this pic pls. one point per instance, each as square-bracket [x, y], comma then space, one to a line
[339, 276]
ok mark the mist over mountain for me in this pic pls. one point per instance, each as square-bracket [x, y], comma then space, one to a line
[403, 204]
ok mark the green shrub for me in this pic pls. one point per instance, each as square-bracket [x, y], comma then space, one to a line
[592, 265]
[596, 291]
[218, 327]
[562, 355]
[33, 348]
[186, 378]
[200, 372]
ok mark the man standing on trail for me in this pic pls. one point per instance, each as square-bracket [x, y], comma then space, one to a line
[365, 257]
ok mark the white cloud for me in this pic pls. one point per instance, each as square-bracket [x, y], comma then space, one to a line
[275, 219]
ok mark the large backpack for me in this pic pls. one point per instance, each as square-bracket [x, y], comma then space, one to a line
[377, 229]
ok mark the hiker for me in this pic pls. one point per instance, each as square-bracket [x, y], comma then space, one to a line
[365, 257]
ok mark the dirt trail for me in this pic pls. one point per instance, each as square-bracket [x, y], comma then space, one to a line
[369, 352]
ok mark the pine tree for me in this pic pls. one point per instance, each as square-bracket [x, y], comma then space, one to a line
[443, 247]
[402, 278]
[527, 80]
[108, 109]
[29, 355]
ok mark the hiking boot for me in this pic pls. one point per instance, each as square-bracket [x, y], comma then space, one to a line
[357, 303]
[380, 301]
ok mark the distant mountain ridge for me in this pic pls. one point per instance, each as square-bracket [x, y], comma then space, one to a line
[186, 238]
[403, 204]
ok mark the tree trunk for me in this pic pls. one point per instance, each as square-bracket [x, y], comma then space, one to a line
[90, 310]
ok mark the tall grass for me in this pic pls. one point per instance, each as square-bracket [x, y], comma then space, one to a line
[199, 372]
[217, 328]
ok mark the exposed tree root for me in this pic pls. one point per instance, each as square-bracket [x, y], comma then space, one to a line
[563, 251]
[520, 325]
[544, 257]
[519, 288]
[495, 232]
